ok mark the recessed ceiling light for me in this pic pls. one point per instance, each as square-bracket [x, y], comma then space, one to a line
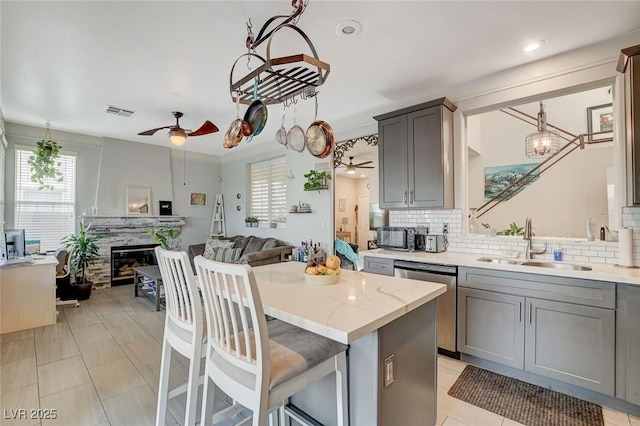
[349, 28]
[533, 46]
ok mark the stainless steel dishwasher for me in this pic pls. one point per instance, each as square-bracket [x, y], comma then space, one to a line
[447, 303]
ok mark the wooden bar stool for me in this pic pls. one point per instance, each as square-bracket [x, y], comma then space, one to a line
[183, 330]
[260, 363]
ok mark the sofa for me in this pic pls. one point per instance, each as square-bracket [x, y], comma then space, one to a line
[250, 250]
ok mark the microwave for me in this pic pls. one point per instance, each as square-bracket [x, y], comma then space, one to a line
[397, 238]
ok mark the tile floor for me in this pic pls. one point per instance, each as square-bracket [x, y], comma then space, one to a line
[99, 365]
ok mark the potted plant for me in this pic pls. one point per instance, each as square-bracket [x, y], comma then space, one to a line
[316, 180]
[84, 252]
[513, 229]
[251, 221]
[166, 236]
[44, 164]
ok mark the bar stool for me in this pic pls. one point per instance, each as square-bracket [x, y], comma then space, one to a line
[183, 330]
[259, 363]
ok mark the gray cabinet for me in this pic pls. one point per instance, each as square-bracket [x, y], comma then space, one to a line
[560, 328]
[490, 326]
[415, 151]
[628, 343]
[378, 265]
[571, 343]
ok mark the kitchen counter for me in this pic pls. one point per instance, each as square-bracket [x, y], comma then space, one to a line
[385, 320]
[600, 271]
[359, 304]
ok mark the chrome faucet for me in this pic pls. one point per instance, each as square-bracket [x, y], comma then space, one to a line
[529, 252]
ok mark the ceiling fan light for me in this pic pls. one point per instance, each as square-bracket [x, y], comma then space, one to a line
[177, 137]
[350, 169]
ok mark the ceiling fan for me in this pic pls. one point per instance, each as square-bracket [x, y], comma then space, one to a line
[178, 135]
[351, 168]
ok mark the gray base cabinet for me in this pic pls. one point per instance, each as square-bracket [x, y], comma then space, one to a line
[571, 343]
[490, 326]
[628, 343]
[513, 319]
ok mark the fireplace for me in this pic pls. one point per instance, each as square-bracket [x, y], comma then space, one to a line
[125, 258]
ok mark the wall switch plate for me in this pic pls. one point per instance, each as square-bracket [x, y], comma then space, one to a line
[388, 370]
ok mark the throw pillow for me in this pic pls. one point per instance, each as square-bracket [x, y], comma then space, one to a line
[215, 243]
[226, 255]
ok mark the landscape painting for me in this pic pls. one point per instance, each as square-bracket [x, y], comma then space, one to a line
[497, 178]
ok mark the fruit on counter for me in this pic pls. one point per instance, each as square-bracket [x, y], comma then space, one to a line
[333, 262]
[312, 270]
[324, 269]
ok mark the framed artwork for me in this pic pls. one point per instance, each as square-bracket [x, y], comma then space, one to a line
[198, 199]
[600, 119]
[138, 199]
[497, 178]
[342, 204]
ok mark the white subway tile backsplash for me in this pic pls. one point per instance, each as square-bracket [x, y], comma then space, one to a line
[573, 250]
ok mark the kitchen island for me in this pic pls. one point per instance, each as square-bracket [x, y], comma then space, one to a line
[390, 327]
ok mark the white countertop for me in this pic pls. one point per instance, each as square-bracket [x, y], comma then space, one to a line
[600, 272]
[359, 304]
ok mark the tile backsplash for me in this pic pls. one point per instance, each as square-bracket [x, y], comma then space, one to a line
[574, 249]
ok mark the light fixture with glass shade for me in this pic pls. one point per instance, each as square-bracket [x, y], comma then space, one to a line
[351, 169]
[177, 136]
[542, 143]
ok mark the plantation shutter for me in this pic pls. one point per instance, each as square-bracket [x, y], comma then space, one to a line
[268, 190]
[46, 215]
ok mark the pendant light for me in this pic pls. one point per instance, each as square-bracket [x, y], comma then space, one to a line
[543, 143]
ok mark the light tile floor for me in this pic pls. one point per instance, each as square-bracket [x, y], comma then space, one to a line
[99, 365]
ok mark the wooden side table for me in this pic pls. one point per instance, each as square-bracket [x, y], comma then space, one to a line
[153, 272]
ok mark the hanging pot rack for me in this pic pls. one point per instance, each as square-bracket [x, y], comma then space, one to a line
[279, 80]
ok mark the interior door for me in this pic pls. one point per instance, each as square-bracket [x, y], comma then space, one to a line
[363, 222]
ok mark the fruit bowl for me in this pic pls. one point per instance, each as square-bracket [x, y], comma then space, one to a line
[322, 279]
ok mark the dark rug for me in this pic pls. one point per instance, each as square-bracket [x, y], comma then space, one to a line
[523, 402]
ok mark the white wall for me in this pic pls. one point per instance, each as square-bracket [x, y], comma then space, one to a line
[316, 226]
[105, 166]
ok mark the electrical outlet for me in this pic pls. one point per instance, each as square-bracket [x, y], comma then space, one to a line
[445, 228]
[388, 371]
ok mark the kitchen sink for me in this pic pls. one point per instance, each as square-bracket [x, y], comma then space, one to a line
[499, 260]
[541, 264]
[555, 265]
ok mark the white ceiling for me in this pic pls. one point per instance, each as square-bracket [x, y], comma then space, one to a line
[64, 62]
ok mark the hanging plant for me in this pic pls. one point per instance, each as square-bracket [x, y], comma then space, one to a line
[44, 162]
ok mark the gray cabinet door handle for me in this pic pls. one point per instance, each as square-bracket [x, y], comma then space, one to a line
[405, 197]
[411, 197]
[520, 310]
[530, 314]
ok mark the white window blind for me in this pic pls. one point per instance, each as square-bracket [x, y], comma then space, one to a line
[46, 215]
[268, 190]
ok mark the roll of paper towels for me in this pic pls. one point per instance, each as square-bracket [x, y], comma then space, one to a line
[625, 247]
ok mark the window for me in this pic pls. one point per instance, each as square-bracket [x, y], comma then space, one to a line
[268, 190]
[46, 215]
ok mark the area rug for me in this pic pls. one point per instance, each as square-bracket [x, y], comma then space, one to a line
[523, 402]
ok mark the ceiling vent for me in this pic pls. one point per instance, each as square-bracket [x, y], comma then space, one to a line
[119, 111]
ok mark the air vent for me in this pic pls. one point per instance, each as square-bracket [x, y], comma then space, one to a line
[119, 111]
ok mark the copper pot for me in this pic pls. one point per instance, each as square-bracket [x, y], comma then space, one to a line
[319, 140]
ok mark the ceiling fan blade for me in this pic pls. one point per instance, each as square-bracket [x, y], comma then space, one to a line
[362, 164]
[152, 131]
[365, 167]
[344, 164]
[205, 129]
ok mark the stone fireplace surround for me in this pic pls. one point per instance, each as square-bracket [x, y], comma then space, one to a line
[121, 231]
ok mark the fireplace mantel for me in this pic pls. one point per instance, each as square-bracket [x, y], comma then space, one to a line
[121, 231]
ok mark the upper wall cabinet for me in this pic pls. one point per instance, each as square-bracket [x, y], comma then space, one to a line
[415, 147]
[629, 63]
